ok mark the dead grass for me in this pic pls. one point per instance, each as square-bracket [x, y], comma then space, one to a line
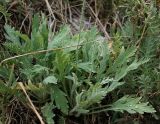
[60, 12]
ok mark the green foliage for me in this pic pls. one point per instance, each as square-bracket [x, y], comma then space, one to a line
[94, 94]
[75, 73]
[60, 99]
[3, 88]
[132, 105]
[50, 79]
[47, 112]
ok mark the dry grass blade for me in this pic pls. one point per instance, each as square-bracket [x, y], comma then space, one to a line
[100, 24]
[32, 105]
[50, 9]
[37, 52]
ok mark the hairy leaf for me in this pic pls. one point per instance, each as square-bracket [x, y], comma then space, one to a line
[60, 99]
[50, 79]
[132, 105]
[47, 112]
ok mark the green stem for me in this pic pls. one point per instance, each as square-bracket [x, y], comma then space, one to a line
[99, 111]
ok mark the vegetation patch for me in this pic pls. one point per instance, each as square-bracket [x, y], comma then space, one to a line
[90, 72]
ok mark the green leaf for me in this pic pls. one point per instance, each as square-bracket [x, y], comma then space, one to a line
[125, 69]
[75, 84]
[24, 37]
[91, 96]
[44, 30]
[4, 73]
[124, 56]
[128, 29]
[39, 68]
[61, 63]
[57, 40]
[60, 99]
[111, 84]
[37, 42]
[86, 99]
[10, 34]
[86, 66]
[3, 88]
[96, 92]
[39, 90]
[31, 72]
[132, 105]
[35, 23]
[47, 112]
[50, 80]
